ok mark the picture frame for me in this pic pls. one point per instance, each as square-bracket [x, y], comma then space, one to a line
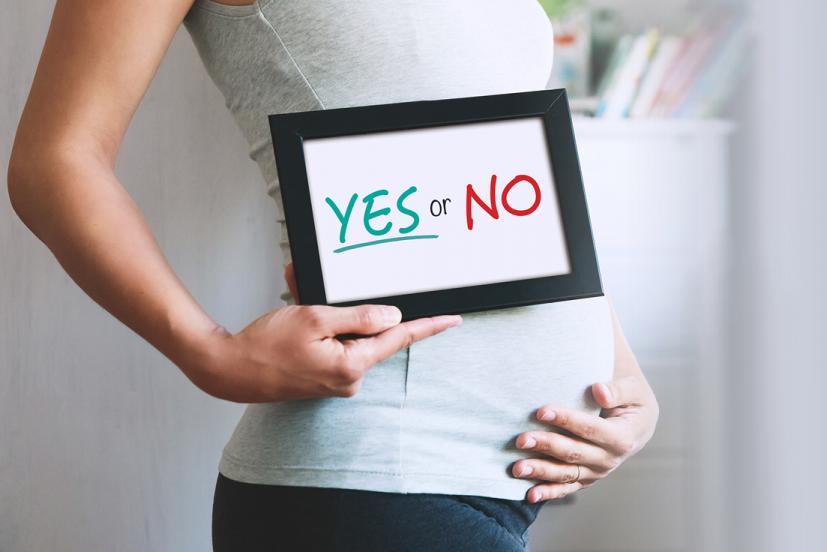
[290, 132]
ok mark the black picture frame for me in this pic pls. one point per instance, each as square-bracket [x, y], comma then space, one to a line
[289, 130]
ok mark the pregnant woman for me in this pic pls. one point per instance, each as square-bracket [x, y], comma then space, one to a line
[425, 435]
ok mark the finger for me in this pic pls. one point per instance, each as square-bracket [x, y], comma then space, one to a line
[552, 471]
[361, 319]
[603, 395]
[567, 449]
[290, 278]
[379, 347]
[552, 491]
[587, 426]
[625, 391]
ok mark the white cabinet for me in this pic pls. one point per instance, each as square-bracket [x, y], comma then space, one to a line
[657, 193]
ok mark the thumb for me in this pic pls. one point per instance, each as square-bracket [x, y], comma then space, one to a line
[361, 319]
[620, 392]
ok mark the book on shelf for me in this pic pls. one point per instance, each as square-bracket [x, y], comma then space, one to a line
[618, 57]
[710, 92]
[627, 75]
[663, 59]
[651, 75]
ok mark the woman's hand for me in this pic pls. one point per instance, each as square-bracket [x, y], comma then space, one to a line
[595, 445]
[294, 352]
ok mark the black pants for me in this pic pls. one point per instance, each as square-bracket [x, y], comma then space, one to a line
[249, 517]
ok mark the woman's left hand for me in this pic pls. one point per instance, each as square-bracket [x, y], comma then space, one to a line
[596, 445]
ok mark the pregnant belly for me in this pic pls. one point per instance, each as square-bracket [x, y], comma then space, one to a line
[472, 389]
[441, 417]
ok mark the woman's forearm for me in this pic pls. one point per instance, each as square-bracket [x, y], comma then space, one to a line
[626, 363]
[87, 87]
[629, 386]
[72, 201]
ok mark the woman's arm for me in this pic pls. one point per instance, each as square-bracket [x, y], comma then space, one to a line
[598, 445]
[97, 62]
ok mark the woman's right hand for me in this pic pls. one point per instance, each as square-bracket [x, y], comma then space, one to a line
[294, 352]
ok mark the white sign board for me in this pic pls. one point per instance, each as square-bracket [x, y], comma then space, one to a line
[407, 211]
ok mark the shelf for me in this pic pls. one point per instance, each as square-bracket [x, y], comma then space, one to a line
[587, 126]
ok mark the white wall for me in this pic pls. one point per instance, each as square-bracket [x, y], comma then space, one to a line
[104, 445]
[778, 487]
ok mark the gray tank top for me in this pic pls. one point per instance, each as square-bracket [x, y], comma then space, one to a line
[441, 416]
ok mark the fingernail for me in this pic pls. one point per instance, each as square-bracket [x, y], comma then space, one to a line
[456, 321]
[524, 470]
[529, 442]
[606, 390]
[547, 415]
[392, 315]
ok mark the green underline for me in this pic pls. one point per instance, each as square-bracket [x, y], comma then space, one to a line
[386, 240]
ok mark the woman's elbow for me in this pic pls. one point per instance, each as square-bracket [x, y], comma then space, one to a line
[31, 180]
[38, 181]
[18, 178]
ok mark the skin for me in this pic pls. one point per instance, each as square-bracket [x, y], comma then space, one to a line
[62, 184]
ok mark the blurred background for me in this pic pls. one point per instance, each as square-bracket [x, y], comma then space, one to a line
[701, 130]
